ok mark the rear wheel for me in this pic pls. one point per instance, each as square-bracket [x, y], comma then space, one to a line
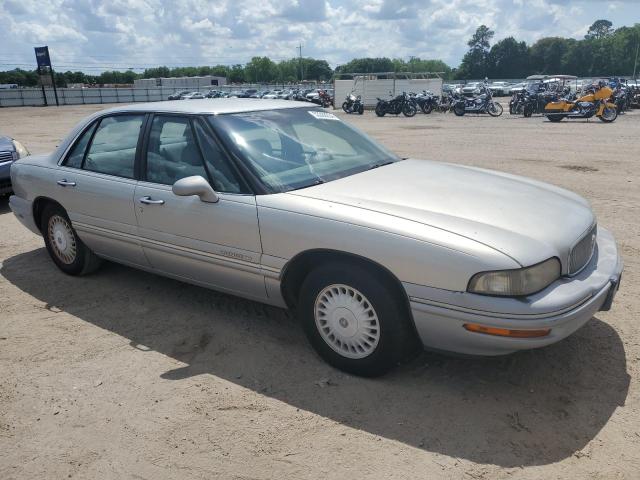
[360, 109]
[66, 249]
[354, 320]
[427, 107]
[345, 107]
[458, 109]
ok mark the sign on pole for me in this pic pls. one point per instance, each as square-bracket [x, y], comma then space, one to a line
[45, 71]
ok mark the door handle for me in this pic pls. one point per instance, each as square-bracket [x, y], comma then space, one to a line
[149, 201]
[65, 183]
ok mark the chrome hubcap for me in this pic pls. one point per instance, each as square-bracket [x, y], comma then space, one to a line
[347, 321]
[62, 239]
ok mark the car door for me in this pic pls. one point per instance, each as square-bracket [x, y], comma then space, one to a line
[96, 184]
[214, 244]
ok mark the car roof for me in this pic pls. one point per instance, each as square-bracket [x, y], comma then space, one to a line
[213, 106]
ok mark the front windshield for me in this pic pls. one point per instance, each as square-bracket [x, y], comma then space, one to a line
[298, 147]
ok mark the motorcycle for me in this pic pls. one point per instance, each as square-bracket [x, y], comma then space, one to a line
[447, 101]
[400, 104]
[425, 101]
[324, 99]
[482, 103]
[596, 101]
[353, 104]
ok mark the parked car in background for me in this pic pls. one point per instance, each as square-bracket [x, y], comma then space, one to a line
[272, 94]
[471, 89]
[179, 95]
[284, 203]
[500, 89]
[259, 94]
[518, 87]
[10, 151]
[247, 93]
[215, 94]
[194, 96]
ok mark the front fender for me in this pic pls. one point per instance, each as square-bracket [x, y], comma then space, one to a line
[412, 252]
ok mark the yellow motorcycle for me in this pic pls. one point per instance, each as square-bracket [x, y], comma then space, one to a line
[595, 102]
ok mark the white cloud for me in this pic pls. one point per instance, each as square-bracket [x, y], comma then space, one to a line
[94, 35]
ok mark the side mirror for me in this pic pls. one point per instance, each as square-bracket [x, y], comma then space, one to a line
[195, 185]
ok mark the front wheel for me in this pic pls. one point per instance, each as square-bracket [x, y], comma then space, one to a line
[427, 107]
[555, 118]
[345, 107]
[65, 248]
[458, 109]
[409, 110]
[528, 111]
[354, 320]
[495, 109]
[608, 115]
[360, 109]
[380, 110]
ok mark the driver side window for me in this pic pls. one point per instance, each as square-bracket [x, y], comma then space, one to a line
[172, 152]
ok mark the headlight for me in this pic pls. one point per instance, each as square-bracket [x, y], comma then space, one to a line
[514, 283]
[21, 151]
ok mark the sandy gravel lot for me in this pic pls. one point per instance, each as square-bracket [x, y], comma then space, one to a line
[123, 374]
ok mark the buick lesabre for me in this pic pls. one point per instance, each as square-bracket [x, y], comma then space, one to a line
[284, 203]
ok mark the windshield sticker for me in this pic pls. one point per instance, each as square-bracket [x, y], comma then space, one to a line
[323, 115]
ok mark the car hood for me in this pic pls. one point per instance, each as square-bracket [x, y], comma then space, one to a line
[526, 220]
[6, 144]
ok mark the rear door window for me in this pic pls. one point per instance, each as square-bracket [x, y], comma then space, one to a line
[113, 148]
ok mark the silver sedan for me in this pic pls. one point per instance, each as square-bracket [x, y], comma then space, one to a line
[283, 203]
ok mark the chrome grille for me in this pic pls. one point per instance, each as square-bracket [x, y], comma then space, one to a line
[582, 251]
[6, 156]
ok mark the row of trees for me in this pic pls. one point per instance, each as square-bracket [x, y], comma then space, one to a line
[258, 70]
[603, 51]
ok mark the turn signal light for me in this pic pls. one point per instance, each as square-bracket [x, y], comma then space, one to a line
[505, 332]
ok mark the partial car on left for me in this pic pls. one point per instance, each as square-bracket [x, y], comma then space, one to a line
[10, 151]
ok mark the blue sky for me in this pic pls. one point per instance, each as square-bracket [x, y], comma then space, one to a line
[92, 36]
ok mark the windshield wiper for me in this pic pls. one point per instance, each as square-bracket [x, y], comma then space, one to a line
[381, 164]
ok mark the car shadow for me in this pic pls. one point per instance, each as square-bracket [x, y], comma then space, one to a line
[532, 408]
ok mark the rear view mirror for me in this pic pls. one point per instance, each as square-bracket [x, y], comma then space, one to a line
[195, 185]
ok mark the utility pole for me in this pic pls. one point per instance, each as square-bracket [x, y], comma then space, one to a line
[300, 61]
[635, 64]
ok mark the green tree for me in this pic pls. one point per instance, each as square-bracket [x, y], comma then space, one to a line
[508, 58]
[599, 29]
[475, 63]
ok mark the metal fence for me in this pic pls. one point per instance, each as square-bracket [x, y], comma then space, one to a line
[24, 97]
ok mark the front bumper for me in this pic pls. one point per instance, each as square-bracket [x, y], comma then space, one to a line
[563, 307]
[5, 178]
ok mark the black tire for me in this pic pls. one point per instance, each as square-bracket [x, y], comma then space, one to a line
[458, 109]
[397, 341]
[495, 109]
[409, 110]
[345, 107]
[528, 111]
[360, 109]
[380, 111]
[610, 117]
[427, 108]
[83, 260]
[555, 118]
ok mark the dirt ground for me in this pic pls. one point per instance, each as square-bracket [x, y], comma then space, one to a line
[123, 374]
